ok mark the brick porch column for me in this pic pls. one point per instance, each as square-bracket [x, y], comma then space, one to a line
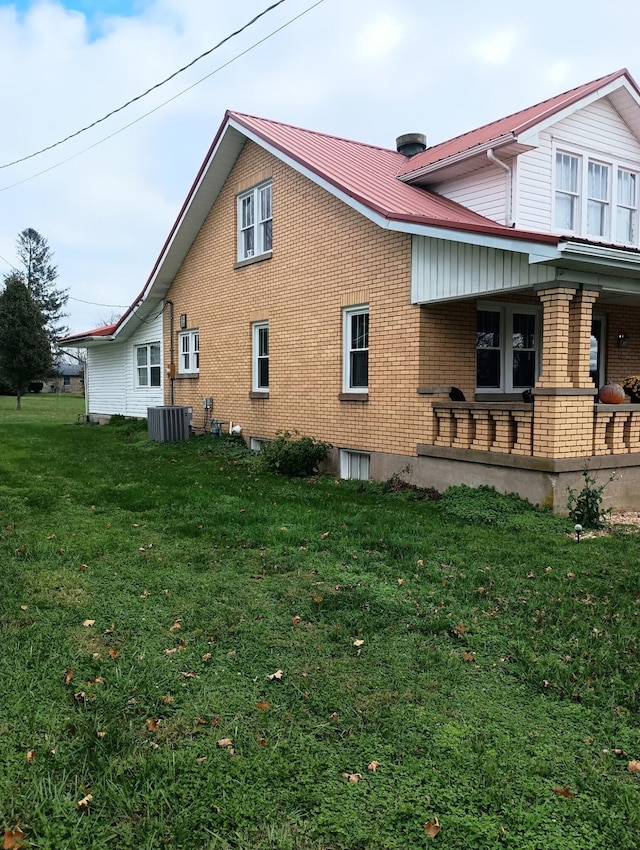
[563, 419]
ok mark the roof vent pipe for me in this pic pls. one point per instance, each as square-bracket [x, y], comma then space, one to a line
[411, 143]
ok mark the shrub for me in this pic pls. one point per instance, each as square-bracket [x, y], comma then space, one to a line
[484, 505]
[585, 507]
[289, 454]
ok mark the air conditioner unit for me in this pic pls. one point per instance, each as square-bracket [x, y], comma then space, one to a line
[170, 423]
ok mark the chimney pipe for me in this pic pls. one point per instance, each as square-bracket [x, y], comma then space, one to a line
[411, 143]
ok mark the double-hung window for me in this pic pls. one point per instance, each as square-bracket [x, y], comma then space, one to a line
[507, 348]
[254, 222]
[148, 365]
[261, 357]
[595, 198]
[189, 347]
[355, 357]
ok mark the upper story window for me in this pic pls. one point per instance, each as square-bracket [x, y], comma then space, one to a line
[595, 199]
[355, 357]
[261, 356]
[189, 347]
[148, 365]
[254, 222]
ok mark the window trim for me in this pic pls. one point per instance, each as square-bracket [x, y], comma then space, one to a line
[261, 244]
[193, 353]
[147, 366]
[256, 332]
[612, 204]
[506, 311]
[347, 314]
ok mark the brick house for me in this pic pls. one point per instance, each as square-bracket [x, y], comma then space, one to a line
[359, 294]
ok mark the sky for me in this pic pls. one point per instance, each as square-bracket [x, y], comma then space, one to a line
[368, 70]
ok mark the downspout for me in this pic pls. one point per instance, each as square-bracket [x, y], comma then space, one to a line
[508, 212]
[172, 369]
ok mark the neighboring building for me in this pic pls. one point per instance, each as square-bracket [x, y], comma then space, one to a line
[322, 285]
[68, 378]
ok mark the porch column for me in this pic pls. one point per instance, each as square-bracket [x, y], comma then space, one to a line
[555, 325]
[563, 418]
[580, 316]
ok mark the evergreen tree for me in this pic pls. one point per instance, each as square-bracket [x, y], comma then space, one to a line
[25, 350]
[40, 275]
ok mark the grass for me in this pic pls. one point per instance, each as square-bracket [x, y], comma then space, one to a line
[497, 684]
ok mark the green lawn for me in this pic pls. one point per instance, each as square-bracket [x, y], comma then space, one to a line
[196, 654]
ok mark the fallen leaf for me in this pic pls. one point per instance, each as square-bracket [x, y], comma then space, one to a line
[113, 653]
[277, 675]
[85, 801]
[224, 742]
[186, 675]
[110, 630]
[633, 767]
[50, 537]
[167, 699]
[563, 792]
[80, 695]
[460, 629]
[83, 567]
[432, 828]
[101, 734]
[352, 777]
[469, 656]
[201, 759]
[571, 575]
[177, 625]
[145, 592]
[13, 839]
[206, 657]
[400, 581]
[88, 622]
[262, 742]
[68, 674]
[30, 756]
[317, 599]
[358, 642]
[263, 706]
[170, 651]
[152, 725]
[373, 766]
[24, 608]
[325, 535]
[97, 681]
[296, 620]
[166, 592]
[201, 721]
[216, 721]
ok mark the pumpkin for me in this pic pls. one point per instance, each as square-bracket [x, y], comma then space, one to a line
[611, 394]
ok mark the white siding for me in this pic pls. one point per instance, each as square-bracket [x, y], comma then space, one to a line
[597, 129]
[110, 384]
[442, 270]
[484, 192]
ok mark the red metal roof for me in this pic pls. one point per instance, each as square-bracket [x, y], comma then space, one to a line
[105, 330]
[512, 125]
[369, 175]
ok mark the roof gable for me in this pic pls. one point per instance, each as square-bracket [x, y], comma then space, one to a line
[517, 133]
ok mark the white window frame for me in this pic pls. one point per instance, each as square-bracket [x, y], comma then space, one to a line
[256, 443]
[355, 465]
[255, 221]
[189, 352]
[506, 312]
[348, 348]
[260, 355]
[611, 204]
[152, 350]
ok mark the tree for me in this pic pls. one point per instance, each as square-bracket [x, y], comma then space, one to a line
[25, 350]
[40, 276]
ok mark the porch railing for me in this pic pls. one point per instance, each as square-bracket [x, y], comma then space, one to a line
[507, 428]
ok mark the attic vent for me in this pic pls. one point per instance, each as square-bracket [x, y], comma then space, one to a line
[411, 143]
[166, 424]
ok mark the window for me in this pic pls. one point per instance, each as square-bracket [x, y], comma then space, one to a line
[595, 199]
[256, 443]
[254, 222]
[507, 346]
[356, 349]
[354, 465]
[189, 347]
[261, 357]
[148, 365]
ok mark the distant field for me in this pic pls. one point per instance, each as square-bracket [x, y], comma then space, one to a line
[196, 654]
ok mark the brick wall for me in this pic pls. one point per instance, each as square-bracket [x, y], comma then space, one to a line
[325, 257]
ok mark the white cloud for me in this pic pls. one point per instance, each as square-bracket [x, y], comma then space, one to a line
[379, 38]
[498, 49]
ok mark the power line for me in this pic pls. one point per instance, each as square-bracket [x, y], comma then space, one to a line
[149, 90]
[97, 304]
[164, 103]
